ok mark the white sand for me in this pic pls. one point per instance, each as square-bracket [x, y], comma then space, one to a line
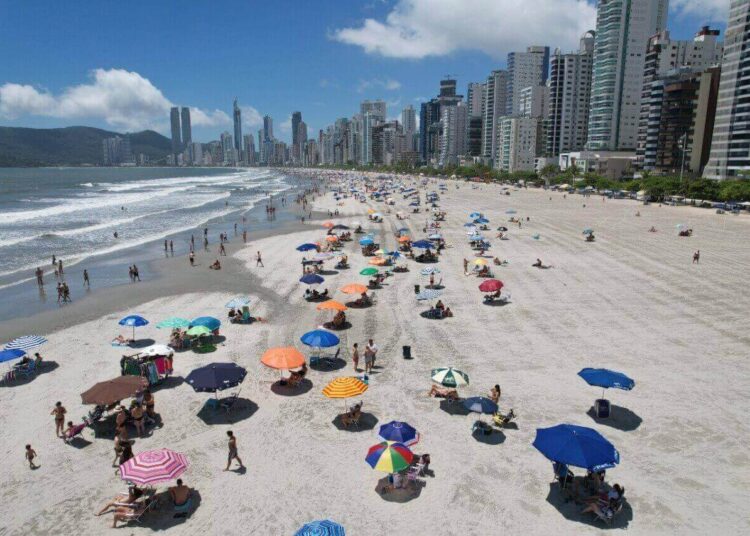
[631, 301]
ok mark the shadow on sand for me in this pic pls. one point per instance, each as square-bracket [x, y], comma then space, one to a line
[367, 421]
[286, 390]
[454, 408]
[572, 511]
[241, 410]
[44, 368]
[411, 491]
[619, 418]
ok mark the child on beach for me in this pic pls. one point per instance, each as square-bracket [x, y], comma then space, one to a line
[30, 455]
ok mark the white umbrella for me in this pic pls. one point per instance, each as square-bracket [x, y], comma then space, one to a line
[157, 349]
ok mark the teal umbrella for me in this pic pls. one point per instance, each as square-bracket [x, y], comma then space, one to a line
[174, 322]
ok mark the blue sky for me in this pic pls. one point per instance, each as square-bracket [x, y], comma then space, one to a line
[120, 65]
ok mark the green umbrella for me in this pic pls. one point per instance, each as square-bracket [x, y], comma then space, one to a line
[174, 322]
[197, 331]
[450, 377]
[369, 271]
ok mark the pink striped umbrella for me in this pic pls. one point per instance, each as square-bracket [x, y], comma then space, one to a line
[154, 466]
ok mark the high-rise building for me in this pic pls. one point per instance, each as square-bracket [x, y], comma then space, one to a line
[296, 120]
[409, 125]
[517, 144]
[730, 146]
[228, 150]
[376, 109]
[525, 69]
[429, 116]
[672, 71]
[301, 140]
[566, 123]
[267, 127]
[494, 104]
[474, 136]
[533, 101]
[623, 28]
[249, 149]
[475, 98]
[261, 149]
[453, 140]
[116, 151]
[187, 130]
[174, 119]
[237, 116]
[195, 153]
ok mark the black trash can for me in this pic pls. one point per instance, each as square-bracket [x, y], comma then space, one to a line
[407, 352]
[416, 289]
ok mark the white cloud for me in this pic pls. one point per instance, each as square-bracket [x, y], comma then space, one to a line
[121, 98]
[251, 117]
[378, 83]
[421, 28]
[711, 10]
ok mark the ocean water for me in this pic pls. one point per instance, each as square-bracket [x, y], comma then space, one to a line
[73, 213]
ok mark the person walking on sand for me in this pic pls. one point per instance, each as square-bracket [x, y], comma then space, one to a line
[697, 257]
[192, 258]
[233, 455]
[171, 247]
[86, 282]
[355, 356]
[59, 412]
[39, 276]
[30, 455]
[222, 251]
[259, 260]
[466, 266]
[166, 245]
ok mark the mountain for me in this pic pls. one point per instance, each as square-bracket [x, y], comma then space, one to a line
[73, 146]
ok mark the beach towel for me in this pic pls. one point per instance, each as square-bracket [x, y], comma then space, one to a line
[161, 365]
[153, 376]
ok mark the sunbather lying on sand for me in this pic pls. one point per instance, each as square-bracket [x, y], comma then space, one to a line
[439, 392]
[120, 340]
[134, 493]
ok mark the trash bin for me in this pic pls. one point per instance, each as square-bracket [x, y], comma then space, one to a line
[407, 352]
[416, 289]
[602, 408]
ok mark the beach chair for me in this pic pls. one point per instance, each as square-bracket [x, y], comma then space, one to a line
[139, 511]
[501, 420]
[412, 475]
[229, 402]
[77, 430]
[26, 372]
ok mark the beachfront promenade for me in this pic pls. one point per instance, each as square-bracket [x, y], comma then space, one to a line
[632, 301]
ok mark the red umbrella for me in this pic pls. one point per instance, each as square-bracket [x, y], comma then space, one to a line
[491, 285]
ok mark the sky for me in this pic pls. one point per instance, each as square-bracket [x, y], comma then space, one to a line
[121, 65]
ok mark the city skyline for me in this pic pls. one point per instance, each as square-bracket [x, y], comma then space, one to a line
[119, 87]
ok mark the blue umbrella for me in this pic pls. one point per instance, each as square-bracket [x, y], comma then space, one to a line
[422, 244]
[481, 220]
[209, 321]
[469, 224]
[366, 241]
[400, 432]
[428, 294]
[311, 279]
[510, 211]
[588, 230]
[475, 215]
[134, 321]
[403, 230]
[10, 355]
[307, 247]
[414, 204]
[605, 378]
[320, 338]
[480, 404]
[238, 302]
[476, 237]
[577, 446]
[324, 527]
[216, 377]
[435, 236]
[25, 342]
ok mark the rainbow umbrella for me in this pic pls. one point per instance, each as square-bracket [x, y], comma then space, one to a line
[154, 466]
[389, 457]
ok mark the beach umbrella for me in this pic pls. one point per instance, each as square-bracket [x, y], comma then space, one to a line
[422, 244]
[475, 215]
[174, 322]
[369, 271]
[10, 355]
[353, 288]
[399, 432]
[414, 204]
[216, 377]
[449, 377]
[588, 230]
[403, 230]
[332, 305]
[429, 294]
[469, 224]
[154, 466]
[311, 279]
[389, 456]
[502, 228]
[307, 247]
[404, 239]
[480, 404]
[476, 237]
[26, 342]
[332, 238]
[324, 256]
[605, 378]
[430, 270]
[482, 220]
[340, 226]
[344, 388]
[577, 446]
[378, 261]
[157, 349]
[481, 262]
[135, 321]
[283, 358]
[328, 224]
[324, 527]
[208, 321]
[111, 391]
[320, 338]
[238, 302]
[491, 285]
[435, 236]
[197, 331]
[510, 211]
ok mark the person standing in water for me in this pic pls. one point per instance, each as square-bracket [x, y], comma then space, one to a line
[86, 281]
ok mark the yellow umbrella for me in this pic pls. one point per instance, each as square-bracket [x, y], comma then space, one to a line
[344, 388]
[370, 211]
[481, 262]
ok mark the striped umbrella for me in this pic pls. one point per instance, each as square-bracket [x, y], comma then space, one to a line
[430, 270]
[450, 377]
[323, 527]
[25, 342]
[429, 294]
[154, 466]
[344, 388]
[389, 456]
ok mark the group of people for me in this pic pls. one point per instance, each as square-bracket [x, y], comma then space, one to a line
[134, 274]
[370, 353]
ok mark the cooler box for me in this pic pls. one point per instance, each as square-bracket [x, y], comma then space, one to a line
[602, 408]
[407, 352]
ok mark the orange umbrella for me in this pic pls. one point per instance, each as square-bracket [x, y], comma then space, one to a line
[378, 261]
[286, 357]
[332, 238]
[354, 288]
[328, 224]
[404, 239]
[331, 305]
